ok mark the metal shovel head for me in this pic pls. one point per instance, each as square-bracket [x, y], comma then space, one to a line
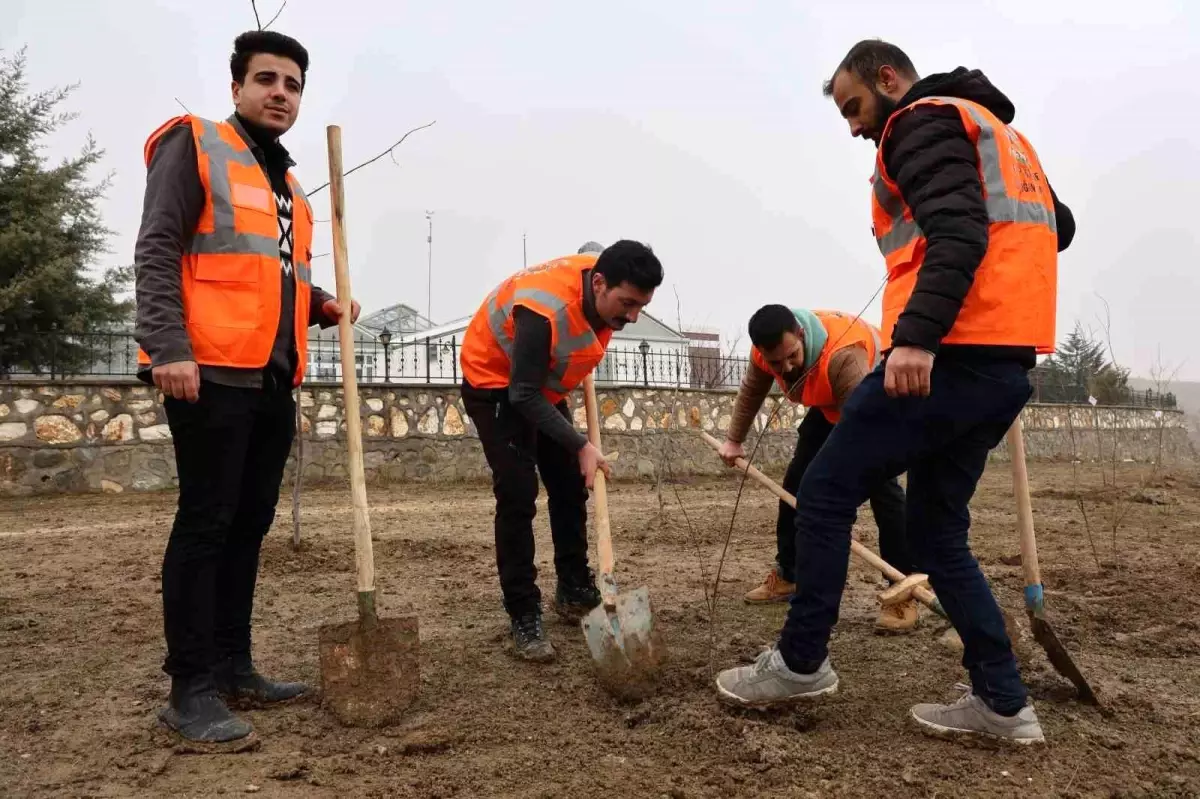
[1060, 659]
[369, 669]
[626, 646]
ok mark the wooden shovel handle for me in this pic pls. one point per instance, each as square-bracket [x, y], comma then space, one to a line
[608, 586]
[363, 555]
[888, 570]
[1020, 474]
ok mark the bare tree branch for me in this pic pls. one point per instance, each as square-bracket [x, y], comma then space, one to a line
[369, 161]
[277, 13]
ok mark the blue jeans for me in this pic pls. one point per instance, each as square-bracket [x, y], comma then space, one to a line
[942, 441]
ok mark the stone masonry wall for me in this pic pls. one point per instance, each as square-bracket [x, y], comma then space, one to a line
[113, 437]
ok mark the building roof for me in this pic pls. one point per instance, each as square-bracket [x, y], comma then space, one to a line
[400, 319]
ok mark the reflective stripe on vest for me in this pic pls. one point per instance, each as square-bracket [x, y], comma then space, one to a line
[224, 238]
[563, 348]
[1000, 206]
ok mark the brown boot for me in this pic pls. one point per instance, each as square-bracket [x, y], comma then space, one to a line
[897, 619]
[773, 589]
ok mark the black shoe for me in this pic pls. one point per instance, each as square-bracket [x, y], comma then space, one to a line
[529, 639]
[574, 598]
[198, 716]
[238, 682]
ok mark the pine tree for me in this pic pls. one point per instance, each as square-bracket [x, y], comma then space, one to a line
[1080, 368]
[51, 232]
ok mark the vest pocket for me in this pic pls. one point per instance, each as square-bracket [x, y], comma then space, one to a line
[225, 292]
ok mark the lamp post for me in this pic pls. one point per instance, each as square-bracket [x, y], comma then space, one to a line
[644, 348]
[385, 338]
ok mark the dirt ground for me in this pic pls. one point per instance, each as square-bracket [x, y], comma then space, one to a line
[81, 646]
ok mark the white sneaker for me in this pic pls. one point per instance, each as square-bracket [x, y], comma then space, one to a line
[970, 717]
[770, 682]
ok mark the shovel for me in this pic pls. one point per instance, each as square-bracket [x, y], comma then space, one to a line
[1034, 594]
[369, 669]
[904, 586]
[626, 646]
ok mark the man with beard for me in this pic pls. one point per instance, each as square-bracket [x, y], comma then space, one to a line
[534, 340]
[970, 231]
[818, 358]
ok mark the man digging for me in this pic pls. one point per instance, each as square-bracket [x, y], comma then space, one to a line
[534, 339]
[818, 358]
[970, 231]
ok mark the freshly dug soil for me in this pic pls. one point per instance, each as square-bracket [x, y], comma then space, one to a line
[81, 648]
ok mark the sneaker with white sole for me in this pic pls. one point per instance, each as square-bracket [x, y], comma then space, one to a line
[970, 717]
[770, 682]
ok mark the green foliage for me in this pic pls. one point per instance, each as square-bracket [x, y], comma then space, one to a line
[1080, 368]
[51, 232]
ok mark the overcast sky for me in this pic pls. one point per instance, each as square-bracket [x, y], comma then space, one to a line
[698, 127]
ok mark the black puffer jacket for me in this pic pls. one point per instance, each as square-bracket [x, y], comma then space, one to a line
[936, 167]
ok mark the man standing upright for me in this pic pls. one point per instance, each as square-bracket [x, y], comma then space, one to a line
[534, 339]
[224, 302]
[969, 229]
[818, 358]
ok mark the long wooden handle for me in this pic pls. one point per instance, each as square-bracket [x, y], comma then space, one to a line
[1020, 474]
[608, 584]
[888, 570]
[363, 555]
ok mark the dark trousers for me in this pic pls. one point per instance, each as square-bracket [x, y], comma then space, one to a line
[230, 450]
[516, 455]
[887, 503]
[942, 442]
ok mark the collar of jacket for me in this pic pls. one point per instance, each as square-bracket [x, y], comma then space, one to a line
[255, 147]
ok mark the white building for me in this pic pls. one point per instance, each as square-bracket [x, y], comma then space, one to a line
[324, 353]
[647, 352]
[432, 355]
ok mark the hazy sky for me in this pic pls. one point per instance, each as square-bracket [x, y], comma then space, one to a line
[698, 127]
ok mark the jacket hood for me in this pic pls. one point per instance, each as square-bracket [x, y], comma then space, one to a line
[965, 84]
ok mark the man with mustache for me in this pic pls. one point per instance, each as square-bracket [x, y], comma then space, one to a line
[818, 358]
[534, 339]
[224, 300]
[970, 231]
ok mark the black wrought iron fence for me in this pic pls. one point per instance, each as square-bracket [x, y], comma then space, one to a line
[409, 360]
[1049, 387]
[431, 360]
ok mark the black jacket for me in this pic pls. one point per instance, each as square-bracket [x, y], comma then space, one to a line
[927, 153]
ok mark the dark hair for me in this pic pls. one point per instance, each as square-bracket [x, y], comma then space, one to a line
[252, 43]
[866, 58]
[768, 325]
[630, 262]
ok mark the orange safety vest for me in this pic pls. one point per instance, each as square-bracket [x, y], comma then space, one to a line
[553, 290]
[231, 290]
[815, 390]
[1012, 298]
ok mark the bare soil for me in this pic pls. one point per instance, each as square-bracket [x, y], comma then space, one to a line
[81, 647]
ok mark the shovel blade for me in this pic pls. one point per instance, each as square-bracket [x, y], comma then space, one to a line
[626, 646]
[1059, 658]
[369, 669]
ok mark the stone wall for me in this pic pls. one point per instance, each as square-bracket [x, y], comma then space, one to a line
[113, 437]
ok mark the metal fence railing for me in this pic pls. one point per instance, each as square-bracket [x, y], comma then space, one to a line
[410, 360]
